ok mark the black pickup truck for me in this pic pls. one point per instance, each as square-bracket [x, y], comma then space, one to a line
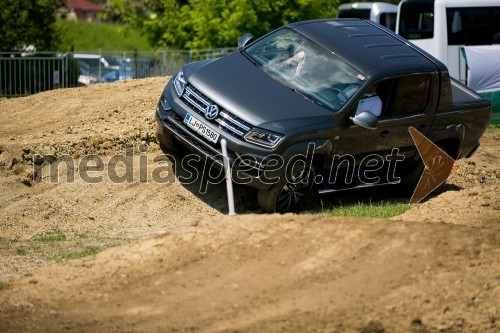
[286, 105]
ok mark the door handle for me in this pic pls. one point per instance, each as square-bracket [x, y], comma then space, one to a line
[384, 133]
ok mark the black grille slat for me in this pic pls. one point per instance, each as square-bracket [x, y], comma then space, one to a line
[226, 121]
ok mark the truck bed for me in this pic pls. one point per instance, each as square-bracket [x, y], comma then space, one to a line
[461, 123]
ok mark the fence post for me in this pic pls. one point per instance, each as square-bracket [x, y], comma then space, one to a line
[1, 76]
[136, 59]
[99, 66]
[163, 63]
[65, 71]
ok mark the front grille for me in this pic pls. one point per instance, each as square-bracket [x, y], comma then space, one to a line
[175, 123]
[225, 120]
[202, 146]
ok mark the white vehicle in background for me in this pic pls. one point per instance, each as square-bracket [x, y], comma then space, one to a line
[95, 68]
[463, 34]
[380, 12]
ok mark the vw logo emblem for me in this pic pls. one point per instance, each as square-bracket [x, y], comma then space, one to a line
[211, 111]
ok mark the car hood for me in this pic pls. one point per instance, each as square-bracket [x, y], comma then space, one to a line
[242, 88]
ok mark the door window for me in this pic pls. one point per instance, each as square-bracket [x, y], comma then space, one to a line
[410, 94]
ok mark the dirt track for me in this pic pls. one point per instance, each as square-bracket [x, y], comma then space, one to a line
[433, 268]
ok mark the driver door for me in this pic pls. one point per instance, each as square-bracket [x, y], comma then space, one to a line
[408, 101]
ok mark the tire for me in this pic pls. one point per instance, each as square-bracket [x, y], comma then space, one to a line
[289, 192]
[410, 180]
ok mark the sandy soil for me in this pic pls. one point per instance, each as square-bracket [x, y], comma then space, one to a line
[172, 262]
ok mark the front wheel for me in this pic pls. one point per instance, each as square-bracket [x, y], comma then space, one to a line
[410, 179]
[290, 191]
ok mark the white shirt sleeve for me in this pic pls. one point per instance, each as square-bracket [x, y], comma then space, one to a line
[372, 104]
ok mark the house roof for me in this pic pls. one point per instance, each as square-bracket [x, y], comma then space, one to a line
[85, 5]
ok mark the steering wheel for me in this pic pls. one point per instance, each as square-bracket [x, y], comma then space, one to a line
[341, 93]
[350, 89]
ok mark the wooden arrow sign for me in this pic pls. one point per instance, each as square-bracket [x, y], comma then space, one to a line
[438, 166]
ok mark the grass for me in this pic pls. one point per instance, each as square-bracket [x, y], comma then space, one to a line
[50, 237]
[21, 251]
[4, 285]
[93, 36]
[5, 240]
[50, 243]
[88, 251]
[493, 128]
[361, 209]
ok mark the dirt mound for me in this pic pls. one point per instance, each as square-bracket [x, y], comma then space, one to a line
[258, 273]
[434, 268]
[472, 206]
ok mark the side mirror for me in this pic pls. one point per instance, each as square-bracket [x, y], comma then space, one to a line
[366, 120]
[244, 40]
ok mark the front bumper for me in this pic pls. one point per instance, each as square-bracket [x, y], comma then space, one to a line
[170, 114]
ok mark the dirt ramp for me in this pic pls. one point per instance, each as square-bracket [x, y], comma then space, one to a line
[269, 273]
[472, 206]
[102, 119]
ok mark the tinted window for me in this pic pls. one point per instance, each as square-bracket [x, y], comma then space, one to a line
[355, 13]
[473, 26]
[388, 20]
[412, 95]
[416, 20]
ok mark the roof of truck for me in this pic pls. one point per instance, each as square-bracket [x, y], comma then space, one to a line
[367, 45]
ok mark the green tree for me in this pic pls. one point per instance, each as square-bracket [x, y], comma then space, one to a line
[195, 24]
[29, 22]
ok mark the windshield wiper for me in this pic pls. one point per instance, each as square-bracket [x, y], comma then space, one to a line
[250, 58]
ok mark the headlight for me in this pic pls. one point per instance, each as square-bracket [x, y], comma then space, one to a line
[180, 83]
[263, 138]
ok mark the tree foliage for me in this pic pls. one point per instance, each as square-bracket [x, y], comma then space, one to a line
[29, 22]
[198, 24]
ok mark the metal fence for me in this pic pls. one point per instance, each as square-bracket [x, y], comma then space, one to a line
[23, 74]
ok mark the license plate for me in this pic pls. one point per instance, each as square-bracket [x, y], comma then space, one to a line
[201, 128]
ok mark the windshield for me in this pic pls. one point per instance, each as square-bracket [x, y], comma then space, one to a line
[306, 67]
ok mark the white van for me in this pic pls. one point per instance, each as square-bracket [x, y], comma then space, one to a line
[380, 12]
[463, 34]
